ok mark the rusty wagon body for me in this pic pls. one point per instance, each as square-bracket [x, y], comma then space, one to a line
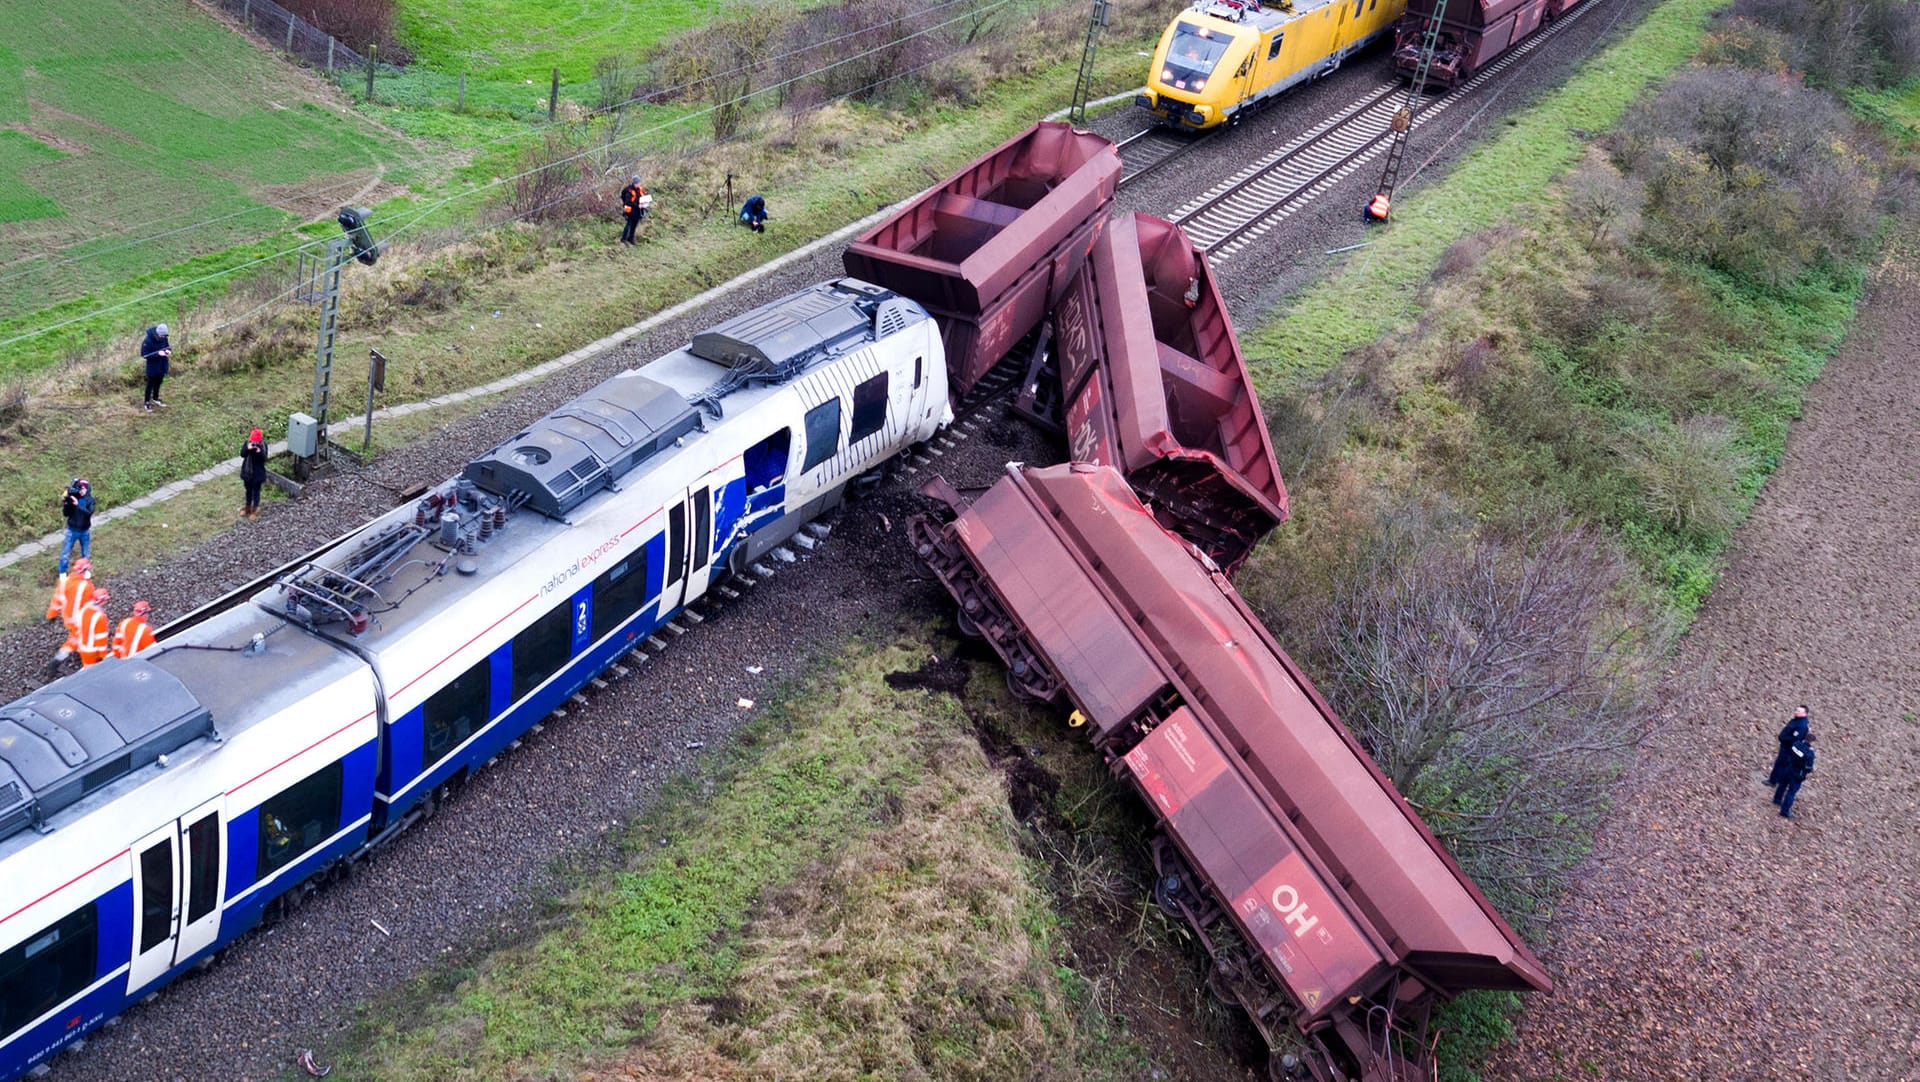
[989, 250]
[1473, 34]
[1327, 906]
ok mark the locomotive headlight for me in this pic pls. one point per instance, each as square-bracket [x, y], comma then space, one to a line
[1166, 75]
[1199, 84]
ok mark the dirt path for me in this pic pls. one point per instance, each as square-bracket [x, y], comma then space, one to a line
[1712, 939]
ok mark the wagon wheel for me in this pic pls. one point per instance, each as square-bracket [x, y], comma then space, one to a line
[966, 624]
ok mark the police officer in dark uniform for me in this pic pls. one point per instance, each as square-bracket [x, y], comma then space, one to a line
[1795, 728]
[1799, 767]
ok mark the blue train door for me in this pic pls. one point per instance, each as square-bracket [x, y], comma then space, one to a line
[689, 546]
[177, 873]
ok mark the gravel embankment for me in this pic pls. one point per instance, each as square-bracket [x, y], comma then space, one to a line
[476, 872]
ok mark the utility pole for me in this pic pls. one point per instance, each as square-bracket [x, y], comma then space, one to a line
[339, 251]
[1381, 205]
[1083, 85]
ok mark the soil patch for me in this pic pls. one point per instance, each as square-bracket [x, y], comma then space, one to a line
[1710, 938]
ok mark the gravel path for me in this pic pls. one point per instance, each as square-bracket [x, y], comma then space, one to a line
[478, 871]
[1710, 938]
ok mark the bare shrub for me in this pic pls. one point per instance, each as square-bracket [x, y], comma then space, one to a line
[1752, 173]
[1496, 685]
[723, 62]
[1842, 43]
[1689, 474]
[554, 181]
[859, 48]
[613, 82]
[14, 400]
[357, 23]
[1744, 43]
[1603, 201]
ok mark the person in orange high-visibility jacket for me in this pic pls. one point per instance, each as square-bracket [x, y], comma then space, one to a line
[96, 638]
[87, 635]
[56, 606]
[134, 633]
[71, 595]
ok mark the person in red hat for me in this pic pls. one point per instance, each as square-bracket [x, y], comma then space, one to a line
[134, 633]
[87, 634]
[253, 470]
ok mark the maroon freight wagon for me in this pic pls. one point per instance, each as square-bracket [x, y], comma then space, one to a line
[1153, 384]
[1327, 906]
[990, 249]
[1473, 33]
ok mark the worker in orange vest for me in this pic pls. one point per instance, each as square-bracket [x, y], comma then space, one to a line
[1379, 208]
[134, 633]
[87, 634]
[70, 596]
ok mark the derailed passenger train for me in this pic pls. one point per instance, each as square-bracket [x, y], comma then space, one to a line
[1220, 59]
[153, 809]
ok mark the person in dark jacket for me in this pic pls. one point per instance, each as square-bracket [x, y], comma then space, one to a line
[753, 213]
[76, 504]
[634, 202]
[1799, 768]
[157, 351]
[253, 470]
[1796, 728]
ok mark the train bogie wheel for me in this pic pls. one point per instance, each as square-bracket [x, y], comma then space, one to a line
[967, 625]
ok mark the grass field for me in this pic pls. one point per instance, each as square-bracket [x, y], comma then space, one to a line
[512, 41]
[123, 120]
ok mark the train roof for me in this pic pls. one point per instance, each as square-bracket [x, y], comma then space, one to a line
[1250, 13]
[1152, 615]
[67, 745]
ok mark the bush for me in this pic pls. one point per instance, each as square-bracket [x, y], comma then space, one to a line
[1497, 685]
[356, 23]
[1754, 174]
[1837, 43]
[1689, 475]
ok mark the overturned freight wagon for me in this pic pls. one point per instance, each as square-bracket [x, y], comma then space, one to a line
[989, 250]
[1327, 906]
[1473, 34]
[1152, 383]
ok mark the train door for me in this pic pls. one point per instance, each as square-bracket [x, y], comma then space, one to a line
[689, 546]
[177, 872]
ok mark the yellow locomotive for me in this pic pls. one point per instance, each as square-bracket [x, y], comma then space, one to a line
[1220, 58]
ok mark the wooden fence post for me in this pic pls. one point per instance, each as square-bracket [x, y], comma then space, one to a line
[553, 96]
[371, 49]
[329, 54]
[246, 14]
[290, 22]
[462, 107]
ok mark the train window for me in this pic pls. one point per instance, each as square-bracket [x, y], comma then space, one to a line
[540, 650]
[455, 711]
[52, 966]
[702, 527]
[203, 867]
[766, 461]
[676, 541]
[299, 818]
[917, 362]
[1274, 49]
[1358, 6]
[869, 408]
[1373, 4]
[823, 433]
[156, 896]
[619, 593]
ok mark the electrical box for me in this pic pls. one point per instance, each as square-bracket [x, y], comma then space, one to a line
[303, 436]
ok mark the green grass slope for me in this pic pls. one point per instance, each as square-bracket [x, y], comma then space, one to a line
[517, 40]
[124, 119]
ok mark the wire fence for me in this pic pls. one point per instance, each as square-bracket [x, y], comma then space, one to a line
[293, 35]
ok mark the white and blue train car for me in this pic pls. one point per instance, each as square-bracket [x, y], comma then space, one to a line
[153, 809]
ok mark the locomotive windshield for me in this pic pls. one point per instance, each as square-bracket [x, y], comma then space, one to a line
[1191, 56]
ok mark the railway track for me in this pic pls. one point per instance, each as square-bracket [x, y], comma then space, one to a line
[1144, 151]
[1242, 209]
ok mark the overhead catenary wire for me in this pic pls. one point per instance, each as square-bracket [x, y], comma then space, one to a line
[391, 230]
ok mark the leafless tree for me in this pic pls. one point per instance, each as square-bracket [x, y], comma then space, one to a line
[612, 81]
[1497, 684]
[1603, 200]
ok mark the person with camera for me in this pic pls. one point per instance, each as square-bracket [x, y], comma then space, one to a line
[76, 505]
